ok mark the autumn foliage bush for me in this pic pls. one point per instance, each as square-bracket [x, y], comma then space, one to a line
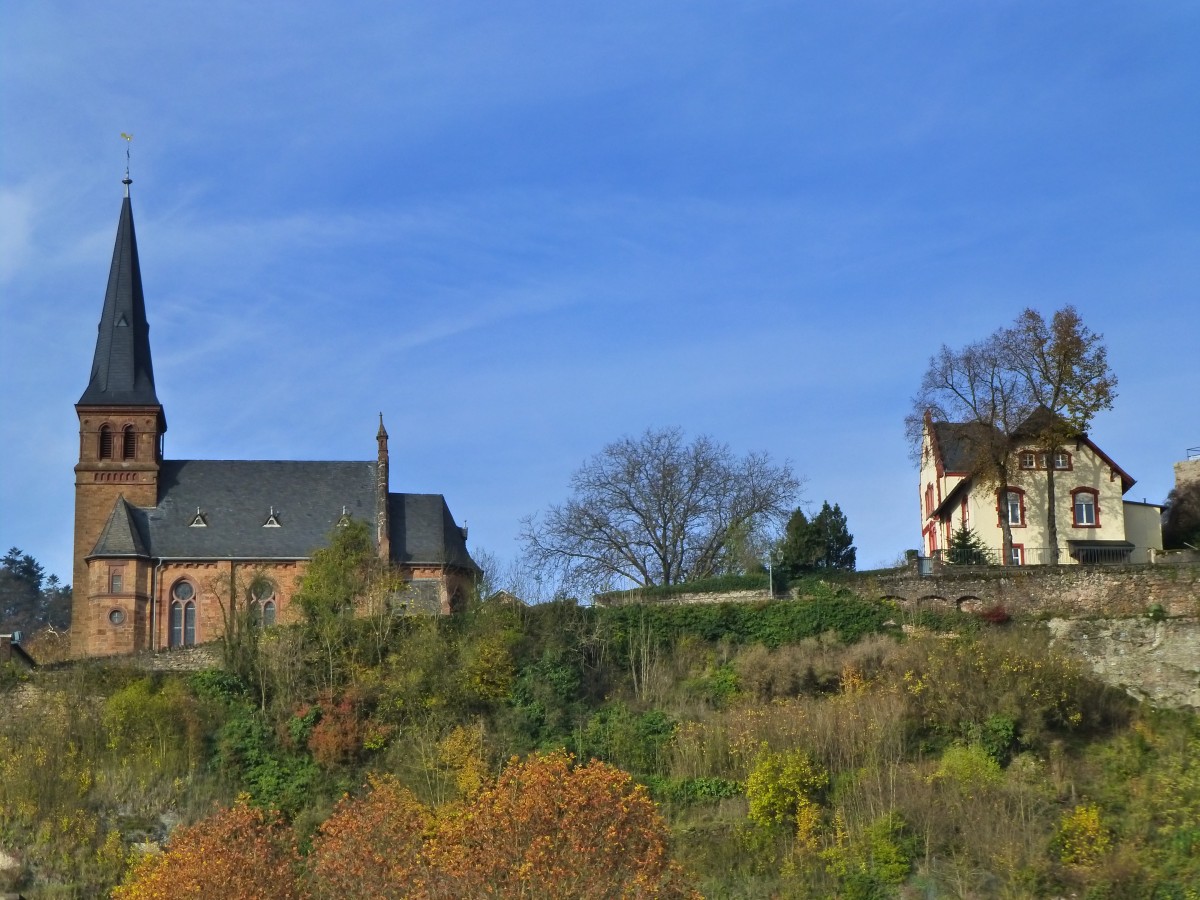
[546, 828]
[371, 847]
[238, 853]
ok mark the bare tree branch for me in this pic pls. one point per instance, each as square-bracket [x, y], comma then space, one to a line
[657, 510]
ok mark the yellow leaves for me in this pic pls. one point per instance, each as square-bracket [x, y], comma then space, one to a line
[782, 786]
[854, 683]
[462, 752]
[913, 683]
[1084, 839]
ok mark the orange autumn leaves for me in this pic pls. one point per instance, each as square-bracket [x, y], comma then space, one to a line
[235, 853]
[545, 829]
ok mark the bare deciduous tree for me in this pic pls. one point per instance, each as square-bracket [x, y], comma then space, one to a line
[976, 390]
[1064, 366]
[657, 510]
[1033, 381]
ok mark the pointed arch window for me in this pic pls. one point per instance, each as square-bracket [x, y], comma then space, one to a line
[183, 615]
[262, 603]
[128, 442]
[106, 442]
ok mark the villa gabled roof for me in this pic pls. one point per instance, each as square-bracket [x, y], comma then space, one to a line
[958, 443]
[954, 447]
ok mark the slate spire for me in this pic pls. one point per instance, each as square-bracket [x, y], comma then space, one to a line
[122, 373]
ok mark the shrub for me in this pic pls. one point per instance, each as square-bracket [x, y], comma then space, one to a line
[689, 791]
[1083, 838]
[239, 853]
[549, 829]
[371, 845]
[995, 615]
[783, 788]
[632, 741]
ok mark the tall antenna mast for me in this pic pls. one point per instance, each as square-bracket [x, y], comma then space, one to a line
[127, 181]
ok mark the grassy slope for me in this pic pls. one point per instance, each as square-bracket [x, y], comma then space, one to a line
[796, 748]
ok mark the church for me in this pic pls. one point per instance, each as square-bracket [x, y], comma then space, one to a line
[160, 543]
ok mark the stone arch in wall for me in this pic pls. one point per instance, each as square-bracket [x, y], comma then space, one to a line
[933, 600]
[969, 604]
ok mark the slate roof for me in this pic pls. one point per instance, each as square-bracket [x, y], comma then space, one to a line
[424, 531]
[957, 442]
[122, 535]
[122, 373]
[235, 498]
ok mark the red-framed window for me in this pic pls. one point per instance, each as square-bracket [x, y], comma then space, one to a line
[1085, 507]
[1011, 506]
[1016, 556]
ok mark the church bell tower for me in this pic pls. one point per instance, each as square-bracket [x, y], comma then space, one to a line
[121, 425]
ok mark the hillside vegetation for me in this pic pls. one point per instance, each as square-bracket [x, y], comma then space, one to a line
[798, 748]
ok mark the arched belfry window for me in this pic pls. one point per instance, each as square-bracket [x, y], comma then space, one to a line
[128, 442]
[183, 615]
[106, 442]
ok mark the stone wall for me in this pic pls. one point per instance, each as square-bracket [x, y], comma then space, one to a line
[630, 597]
[1047, 591]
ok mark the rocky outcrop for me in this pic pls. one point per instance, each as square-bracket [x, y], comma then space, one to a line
[1154, 661]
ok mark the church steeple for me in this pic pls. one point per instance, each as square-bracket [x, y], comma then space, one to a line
[121, 426]
[122, 373]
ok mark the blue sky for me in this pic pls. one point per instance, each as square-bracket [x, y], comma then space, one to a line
[522, 230]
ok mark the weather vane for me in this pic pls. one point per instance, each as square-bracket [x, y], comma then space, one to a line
[128, 138]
